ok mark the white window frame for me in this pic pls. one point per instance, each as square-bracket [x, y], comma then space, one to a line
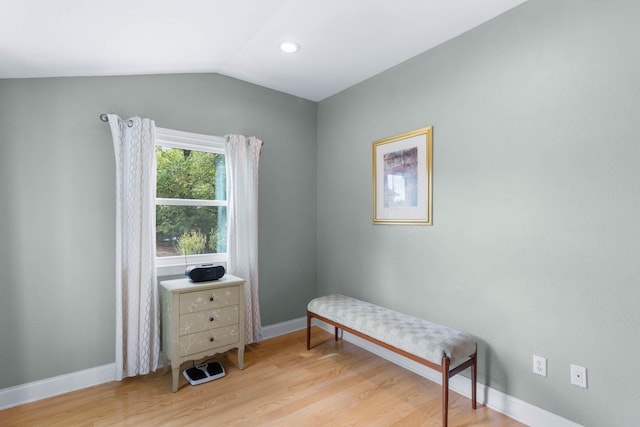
[198, 142]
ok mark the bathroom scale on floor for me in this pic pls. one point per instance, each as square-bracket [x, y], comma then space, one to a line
[204, 373]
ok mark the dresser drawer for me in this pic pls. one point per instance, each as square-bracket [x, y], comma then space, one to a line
[191, 302]
[210, 319]
[207, 340]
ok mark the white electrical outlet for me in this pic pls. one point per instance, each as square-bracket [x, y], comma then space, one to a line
[539, 365]
[579, 376]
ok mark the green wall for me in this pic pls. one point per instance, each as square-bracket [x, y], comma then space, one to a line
[536, 235]
[57, 205]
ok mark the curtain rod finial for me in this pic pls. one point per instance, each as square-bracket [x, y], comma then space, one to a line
[104, 117]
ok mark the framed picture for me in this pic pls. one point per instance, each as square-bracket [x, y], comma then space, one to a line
[402, 178]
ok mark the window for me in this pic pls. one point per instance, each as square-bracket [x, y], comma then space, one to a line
[191, 199]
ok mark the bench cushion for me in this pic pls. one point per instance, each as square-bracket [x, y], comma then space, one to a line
[419, 337]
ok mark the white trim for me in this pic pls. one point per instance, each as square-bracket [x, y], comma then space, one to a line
[496, 400]
[189, 141]
[49, 387]
[176, 265]
[191, 259]
[189, 202]
[173, 266]
[283, 328]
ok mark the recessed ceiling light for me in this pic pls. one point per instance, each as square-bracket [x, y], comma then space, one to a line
[289, 47]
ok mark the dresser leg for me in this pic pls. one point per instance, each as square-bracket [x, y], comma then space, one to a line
[241, 357]
[175, 377]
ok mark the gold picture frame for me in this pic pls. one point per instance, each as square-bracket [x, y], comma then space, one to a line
[402, 178]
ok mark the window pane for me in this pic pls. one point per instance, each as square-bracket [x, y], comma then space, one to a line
[189, 174]
[191, 230]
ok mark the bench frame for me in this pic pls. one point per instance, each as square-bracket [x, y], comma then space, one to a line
[444, 368]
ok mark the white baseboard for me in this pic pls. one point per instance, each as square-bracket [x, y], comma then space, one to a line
[510, 406]
[50, 387]
[37, 390]
[278, 329]
[494, 399]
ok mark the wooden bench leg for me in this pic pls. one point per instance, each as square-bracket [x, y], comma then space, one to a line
[474, 373]
[308, 331]
[445, 390]
[309, 316]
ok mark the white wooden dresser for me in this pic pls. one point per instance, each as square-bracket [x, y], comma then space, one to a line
[200, 320]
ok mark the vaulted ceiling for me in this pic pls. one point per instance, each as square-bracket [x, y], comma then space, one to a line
[342, 42]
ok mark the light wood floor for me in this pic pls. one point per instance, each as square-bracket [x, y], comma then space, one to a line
[283, 384]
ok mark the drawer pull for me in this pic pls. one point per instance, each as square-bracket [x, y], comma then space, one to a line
[211, 339]
[210, 298]
[211, 319]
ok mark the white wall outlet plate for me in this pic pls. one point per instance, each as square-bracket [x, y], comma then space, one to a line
[579, 376]
[539, 365]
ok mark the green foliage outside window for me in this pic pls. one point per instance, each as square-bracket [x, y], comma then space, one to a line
[188, 174]
[192, 243]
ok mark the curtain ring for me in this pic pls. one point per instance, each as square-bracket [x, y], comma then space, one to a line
[105, 118]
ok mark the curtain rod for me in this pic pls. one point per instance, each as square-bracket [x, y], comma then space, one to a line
[105, 118]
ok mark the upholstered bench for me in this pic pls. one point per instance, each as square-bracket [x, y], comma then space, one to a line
[444, 349]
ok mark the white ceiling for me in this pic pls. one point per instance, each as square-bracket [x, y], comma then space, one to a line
[343, 41]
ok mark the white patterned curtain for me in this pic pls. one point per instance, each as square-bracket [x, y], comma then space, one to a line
[137, 314]
[242, 158]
